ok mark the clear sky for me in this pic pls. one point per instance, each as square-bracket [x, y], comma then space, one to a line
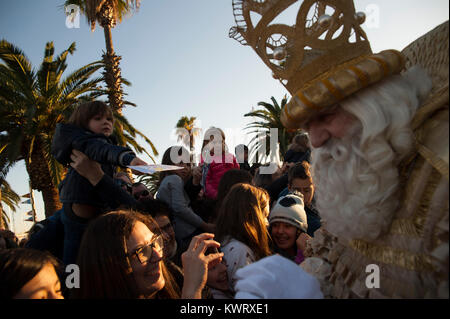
[180, 61]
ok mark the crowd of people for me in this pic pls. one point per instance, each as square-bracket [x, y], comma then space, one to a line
[189, 239]
[363, 186]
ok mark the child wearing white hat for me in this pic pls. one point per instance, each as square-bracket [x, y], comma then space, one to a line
[288, 226]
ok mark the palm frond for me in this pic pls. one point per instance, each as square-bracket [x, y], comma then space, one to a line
[268, 117]
[9, 197]
[16, 61]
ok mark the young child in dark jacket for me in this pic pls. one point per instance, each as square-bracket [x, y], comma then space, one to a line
[88, 130]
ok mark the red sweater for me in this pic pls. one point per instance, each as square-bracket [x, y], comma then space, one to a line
[217, 167]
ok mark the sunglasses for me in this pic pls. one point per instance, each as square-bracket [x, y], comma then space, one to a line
[145, 253]
[142, 193]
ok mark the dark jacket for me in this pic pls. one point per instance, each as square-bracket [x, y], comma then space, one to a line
[313, 219]
[75, 188]
[53, 238]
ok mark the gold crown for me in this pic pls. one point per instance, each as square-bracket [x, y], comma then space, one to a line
[323, 58]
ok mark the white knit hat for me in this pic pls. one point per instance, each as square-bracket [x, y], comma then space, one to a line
[290, 209]
[276, 277]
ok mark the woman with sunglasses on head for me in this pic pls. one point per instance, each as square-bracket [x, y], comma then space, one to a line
[121, 256]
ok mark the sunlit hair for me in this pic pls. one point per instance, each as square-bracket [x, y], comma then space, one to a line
[86, 111]
[242, 217]
[105, 269]
[356, 177]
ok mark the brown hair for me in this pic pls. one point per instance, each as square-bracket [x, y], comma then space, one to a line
[167, 159]
[105, 269]
[86, 111]
[242, 217]
[299, 170]
[230, 178]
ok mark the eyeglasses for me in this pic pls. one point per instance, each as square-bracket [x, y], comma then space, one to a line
[145, 253]
[142, 193]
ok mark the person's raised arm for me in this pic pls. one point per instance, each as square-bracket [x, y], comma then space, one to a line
[111, 193]
[195, 265]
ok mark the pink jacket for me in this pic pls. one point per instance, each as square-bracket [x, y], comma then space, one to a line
[217, 167]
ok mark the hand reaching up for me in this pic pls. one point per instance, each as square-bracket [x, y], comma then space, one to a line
[195, 265]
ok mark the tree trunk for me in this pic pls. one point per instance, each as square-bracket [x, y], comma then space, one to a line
[40, 178]
[112, 72]
[50, 196]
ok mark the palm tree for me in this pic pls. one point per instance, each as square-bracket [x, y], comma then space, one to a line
[107, 13]
[187, 132]
[31, 103]
[7, 196]
[10, 198]
[270, 116]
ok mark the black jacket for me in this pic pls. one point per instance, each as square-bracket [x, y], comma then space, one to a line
[75, 188]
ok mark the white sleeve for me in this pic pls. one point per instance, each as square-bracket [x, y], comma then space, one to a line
[237, 255]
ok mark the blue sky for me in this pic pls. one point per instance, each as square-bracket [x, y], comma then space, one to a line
[180, 61]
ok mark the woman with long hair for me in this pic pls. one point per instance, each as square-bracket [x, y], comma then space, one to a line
[121, 257]
[242, 227]
[230, 178]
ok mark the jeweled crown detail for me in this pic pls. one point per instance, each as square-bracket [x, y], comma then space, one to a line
[326, 33]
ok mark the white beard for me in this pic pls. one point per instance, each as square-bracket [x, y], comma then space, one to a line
[355, 187]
